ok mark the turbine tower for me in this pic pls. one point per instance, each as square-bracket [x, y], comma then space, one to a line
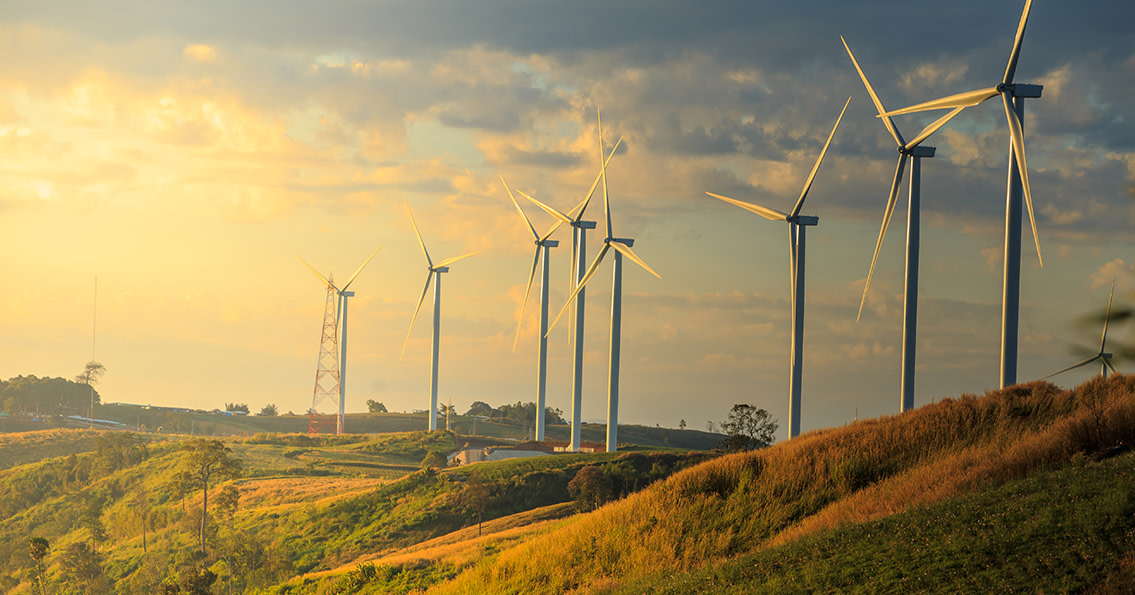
[1013, 97]
[574, 218]
[1103, 356]
[622, 248]
[432, 270]
[913, 151]
[797, 224]
[539, 259]
[334, 328]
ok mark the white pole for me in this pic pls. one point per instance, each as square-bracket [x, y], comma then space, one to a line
[340, 425]
[910, 292]
[616, 341]
[1011, 293]
[542, 356]
[797, 357]
[437, 336]
[580, 230]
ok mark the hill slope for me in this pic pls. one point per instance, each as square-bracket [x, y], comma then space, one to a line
[744, 504]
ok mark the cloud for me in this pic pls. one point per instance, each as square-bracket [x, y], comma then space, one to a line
[200, 53]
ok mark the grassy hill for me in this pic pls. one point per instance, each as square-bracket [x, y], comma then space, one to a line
[1016, 489]
[168, 421]
[306, 504]
[749, 514]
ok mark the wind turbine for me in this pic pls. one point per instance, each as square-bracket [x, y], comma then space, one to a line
[574, 218]
[913, 151]
[1103, 356]
[341, 324]
[432, 269]
[622, 248]
[539, 259]
[1012, 96]
[797, 223]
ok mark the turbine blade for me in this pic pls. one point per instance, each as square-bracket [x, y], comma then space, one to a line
[603, 168]
[1107, 362]
[874, 97]
[312, 269]
[625, 250]
[450, 261]
[360, 269]
[548, 209]
[527, 290]
[967, 99]
[820, 159]
[587, 200]
[933, 127]
[1011, 69]
[1019, 151]
[892, 200]
[579, 287]
[415, 224]
[1103, 338]
[520, 210]
[1073, 366]
[429, 277]
[765, 212]
[551, 231]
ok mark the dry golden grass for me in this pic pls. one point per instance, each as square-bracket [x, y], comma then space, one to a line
[276, 492]
[735, 504]
[465, 546]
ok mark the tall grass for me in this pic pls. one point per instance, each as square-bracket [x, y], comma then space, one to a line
[741, 503]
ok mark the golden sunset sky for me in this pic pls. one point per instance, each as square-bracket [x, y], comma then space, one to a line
[184, 154]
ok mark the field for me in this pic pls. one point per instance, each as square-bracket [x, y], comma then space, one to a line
[1029, 488]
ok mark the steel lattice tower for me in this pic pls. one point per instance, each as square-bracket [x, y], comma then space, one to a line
[327, 368]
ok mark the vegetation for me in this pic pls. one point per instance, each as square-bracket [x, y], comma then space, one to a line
[750, 502]
[933, 499]
[45, 396]
[748, 428]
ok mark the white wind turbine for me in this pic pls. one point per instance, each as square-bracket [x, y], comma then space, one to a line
[432, 269]
[622, 248]
[1012, 96]
[539, 259]
[1103, 356]
[913, 151]
[796, 226]
[574, 218]
[341, 324]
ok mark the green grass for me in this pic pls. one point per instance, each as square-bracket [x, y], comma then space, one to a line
[1061, 531]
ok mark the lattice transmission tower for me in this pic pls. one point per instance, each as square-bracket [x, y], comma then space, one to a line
[327, 368]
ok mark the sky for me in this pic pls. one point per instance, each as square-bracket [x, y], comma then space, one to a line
[181, 155]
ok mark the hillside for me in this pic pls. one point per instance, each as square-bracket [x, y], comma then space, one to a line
[1020, 488]
[117, 519]
[837, 480]
[169, 421]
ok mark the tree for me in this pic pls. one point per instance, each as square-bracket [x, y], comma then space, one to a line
[475, 497]
[434, 459]
[480, 408]
[226, 501]
[590, 487]
[92, 372]
[38, 549]
[748, 428]
[269, 410]
[203, 461]
[375, 406]
[82, 564]
[710, 427]
[91, 519]
[236, 407]
[682, 424]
